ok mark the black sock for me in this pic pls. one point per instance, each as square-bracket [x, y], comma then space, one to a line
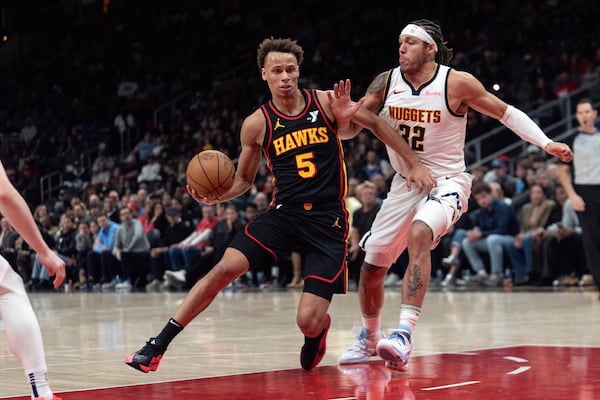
[171, 329]
[315, 340]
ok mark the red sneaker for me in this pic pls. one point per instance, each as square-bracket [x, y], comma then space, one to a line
[311, 355]
[147, 358]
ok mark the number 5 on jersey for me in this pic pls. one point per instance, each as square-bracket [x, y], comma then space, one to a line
[306, 166]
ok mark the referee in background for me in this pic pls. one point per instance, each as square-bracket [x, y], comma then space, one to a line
[584, 188]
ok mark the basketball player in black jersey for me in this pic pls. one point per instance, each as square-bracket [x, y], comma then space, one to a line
[298, 135]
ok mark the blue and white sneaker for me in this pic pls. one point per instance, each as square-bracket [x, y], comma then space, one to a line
[364, 347]
[396, 348]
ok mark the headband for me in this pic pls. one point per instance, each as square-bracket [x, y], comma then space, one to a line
[419, 33]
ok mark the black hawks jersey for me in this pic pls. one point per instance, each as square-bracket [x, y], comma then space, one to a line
[304, 155]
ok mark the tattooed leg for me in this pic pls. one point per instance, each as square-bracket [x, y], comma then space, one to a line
[418, 272]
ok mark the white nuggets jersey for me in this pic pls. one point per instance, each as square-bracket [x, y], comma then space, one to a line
[423, 117]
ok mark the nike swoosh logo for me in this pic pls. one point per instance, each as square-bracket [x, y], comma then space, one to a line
[398, 91]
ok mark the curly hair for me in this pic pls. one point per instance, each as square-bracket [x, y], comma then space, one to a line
[278, 45]
[444, 54]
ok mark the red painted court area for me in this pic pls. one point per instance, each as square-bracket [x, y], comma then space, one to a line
[517, 373]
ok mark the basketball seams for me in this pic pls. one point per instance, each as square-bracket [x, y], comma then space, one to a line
[198, 184]
[206, 175]
[219, 170]
[222, 170]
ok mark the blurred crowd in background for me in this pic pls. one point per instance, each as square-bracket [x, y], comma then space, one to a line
[116, 96]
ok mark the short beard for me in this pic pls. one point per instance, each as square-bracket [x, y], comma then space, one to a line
[418, 64]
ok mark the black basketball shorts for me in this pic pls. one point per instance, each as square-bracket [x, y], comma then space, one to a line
[319, 235]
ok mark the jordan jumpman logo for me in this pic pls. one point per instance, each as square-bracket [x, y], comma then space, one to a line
[278, 124]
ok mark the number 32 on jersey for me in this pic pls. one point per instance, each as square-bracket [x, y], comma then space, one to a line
[414, 136]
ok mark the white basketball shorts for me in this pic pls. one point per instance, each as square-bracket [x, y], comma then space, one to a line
[439, 209]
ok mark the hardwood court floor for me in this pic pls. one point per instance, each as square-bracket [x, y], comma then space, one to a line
[468, 345]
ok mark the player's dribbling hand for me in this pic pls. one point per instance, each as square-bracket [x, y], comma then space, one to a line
[203, 200]
[420, 177]
[559, 150]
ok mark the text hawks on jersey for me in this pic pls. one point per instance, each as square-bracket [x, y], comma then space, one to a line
[303, 137]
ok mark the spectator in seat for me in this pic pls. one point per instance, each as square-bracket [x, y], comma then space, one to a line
[563, 258]
[495, 229]
[150, 171]
[102, 266]
[534, 217]
[177, 230]
[181, 253]
[132, 250]
[362, 219]
[201, 263]
[83, 243]
[8, 240]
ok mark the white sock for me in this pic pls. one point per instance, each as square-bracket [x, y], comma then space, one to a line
[372, 323]
[409, 316]
[38, 380]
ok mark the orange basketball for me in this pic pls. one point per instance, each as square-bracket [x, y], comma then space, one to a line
[210, 173]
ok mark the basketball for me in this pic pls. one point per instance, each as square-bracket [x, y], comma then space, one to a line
[210, 173]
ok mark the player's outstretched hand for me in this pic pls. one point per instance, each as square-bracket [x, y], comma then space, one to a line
[420, 177]
[55, 266]
[560, 150]
[202, 200]
[342, 106]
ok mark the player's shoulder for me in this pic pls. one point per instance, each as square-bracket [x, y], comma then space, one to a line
[384, 75]
[375, 93]
[464, 84]
[256, 120]
[253, 127]
[458, 76]
[379, 83]
[322, 96]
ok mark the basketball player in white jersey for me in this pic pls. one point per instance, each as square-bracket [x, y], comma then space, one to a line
[426, 102]
[20, 323]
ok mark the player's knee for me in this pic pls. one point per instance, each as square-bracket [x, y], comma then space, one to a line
[420, 233]
[228, 272]
[371, 274]
[309, 322]
[231, 266]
